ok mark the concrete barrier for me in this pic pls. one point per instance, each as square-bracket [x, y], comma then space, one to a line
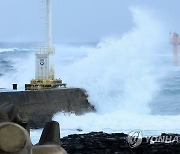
[48, 149]
[41, 105]
[14, 139]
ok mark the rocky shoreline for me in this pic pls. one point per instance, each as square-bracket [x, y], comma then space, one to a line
[115, 143]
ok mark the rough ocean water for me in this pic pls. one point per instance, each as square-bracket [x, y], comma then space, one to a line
[130, 79]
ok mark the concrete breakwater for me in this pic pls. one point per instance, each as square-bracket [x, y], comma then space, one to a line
[41, 105]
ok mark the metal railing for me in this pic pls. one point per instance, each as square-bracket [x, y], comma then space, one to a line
[45, 50]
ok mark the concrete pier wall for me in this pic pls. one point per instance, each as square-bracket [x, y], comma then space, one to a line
[41, 105]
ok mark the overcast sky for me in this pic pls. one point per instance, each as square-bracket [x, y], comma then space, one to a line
[80, 20]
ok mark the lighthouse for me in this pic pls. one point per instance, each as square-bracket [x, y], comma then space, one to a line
[44, 67]
[175, 41]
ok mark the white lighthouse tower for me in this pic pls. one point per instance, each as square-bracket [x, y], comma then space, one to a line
[43, 53]
[44, 70]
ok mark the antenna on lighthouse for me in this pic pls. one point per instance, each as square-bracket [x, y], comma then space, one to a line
[44, 70]
[48, 23]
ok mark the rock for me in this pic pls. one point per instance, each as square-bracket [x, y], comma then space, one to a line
[115, 143]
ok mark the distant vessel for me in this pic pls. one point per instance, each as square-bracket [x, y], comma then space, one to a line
[44, 70]
[175, 41]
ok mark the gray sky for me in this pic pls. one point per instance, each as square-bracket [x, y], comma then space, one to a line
[79, 20]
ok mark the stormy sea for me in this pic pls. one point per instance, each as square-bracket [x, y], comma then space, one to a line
[130, 79]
